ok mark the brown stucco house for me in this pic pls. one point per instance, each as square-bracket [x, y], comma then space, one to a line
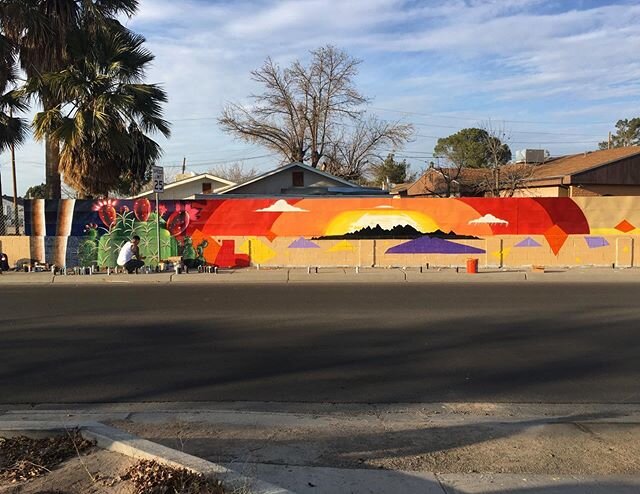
[609, 172]
[433, 183]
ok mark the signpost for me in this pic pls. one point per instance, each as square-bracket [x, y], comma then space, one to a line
[157, 174]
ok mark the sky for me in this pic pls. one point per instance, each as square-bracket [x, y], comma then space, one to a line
[551, 74]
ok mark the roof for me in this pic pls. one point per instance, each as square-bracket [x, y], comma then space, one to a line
[578, 163]
[554, 169]
[430, 181]
[397, 188]
[20, 200]
[284, 168]
[195, 178]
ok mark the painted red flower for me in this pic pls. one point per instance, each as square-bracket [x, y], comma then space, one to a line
[106, 209]
[142, 209]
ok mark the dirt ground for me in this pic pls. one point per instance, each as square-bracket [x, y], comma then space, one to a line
[551, 448]
[95, 473]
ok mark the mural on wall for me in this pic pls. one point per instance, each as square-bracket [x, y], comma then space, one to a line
[238, 231]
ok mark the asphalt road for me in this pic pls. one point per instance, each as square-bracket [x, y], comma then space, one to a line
[550, 343]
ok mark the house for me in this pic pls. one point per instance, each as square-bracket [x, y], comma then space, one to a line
[188, 185]
[437, 184]
[609, 172]
[299, 179]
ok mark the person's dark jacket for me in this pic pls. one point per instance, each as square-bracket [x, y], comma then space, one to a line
[4, 262]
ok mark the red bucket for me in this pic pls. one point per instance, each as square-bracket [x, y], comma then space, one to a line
[472, 265]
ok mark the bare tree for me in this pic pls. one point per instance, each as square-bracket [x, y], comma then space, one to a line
[351, 155]
[515, 176]
[297, 113]
[444, 181]
[505, 178]
[234, 172]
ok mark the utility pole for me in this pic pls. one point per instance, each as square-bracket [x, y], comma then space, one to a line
[16, 214]
[184, 165]
[3, 224]
[609, 141]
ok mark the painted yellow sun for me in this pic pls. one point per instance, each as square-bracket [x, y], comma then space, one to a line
[351, 221]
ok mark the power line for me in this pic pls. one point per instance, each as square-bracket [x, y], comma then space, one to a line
[475, 119]
[210, 163]
[519, 142]
[450, 117]
[420, 124]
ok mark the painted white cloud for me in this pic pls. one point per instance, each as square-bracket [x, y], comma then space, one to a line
[281, 206]
[488, 219]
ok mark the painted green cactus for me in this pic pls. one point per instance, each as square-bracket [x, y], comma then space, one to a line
[126, 226]
[88, 247]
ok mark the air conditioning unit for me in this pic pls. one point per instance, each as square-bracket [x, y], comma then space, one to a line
[530, 156]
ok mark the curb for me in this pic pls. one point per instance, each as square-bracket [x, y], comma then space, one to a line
[331, 276]
[118, 441]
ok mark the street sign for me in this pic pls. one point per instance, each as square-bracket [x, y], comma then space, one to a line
[158, 179]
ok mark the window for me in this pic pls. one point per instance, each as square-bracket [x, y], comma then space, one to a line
[206, 188]
[297, 179]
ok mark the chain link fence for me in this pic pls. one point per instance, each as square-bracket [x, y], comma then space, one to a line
[11, 220]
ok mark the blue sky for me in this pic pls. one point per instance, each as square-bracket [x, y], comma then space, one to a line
[552, 74]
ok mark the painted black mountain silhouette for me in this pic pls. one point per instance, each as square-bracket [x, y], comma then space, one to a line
[399, 231]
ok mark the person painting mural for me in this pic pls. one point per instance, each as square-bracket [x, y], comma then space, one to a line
[129, 257]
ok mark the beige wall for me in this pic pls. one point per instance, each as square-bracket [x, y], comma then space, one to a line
[579, 191]
[500, 251]
[15, 247]
[551, 191]
[604, 190]
[622, 251]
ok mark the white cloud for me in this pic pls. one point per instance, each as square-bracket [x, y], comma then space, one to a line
[281, 206]
[488, 219]
[498, 59]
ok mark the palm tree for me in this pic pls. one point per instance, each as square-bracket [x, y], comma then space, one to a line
[104, 113]
[13, 130]
[45, 31]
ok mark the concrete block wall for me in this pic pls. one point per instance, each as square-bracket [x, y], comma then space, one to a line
[15, 247]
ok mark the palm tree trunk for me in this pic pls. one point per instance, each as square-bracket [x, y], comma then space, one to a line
[52, 160]
[38, 230]
[65, 219]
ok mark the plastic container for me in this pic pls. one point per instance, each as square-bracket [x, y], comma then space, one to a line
[472, 266]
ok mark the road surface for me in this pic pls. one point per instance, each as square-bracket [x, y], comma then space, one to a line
[378, 343]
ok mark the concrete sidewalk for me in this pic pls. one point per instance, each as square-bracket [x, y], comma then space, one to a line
[387, 449]
[339, 275]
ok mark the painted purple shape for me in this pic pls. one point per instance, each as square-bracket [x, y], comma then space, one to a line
[433, 245]
[528, 242]
[303, 243]
[595, 242]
